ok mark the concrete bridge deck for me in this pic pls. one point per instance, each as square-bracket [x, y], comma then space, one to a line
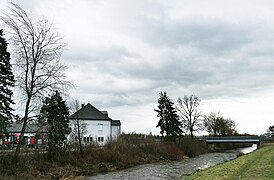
[234, 139]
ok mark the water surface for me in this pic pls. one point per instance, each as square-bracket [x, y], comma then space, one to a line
[172, 169]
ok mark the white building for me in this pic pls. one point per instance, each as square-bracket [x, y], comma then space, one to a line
[98, 126]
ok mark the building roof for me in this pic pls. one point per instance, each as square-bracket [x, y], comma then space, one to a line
[116, 123]
[30, 128]
[105, 113]
[89, 112]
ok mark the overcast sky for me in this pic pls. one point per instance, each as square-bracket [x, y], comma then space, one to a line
[122, 53]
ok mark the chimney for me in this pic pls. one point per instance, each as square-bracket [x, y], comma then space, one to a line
[105, 113]
[83, 105]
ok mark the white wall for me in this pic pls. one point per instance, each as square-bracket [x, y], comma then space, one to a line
[115, 132]
[96, 129]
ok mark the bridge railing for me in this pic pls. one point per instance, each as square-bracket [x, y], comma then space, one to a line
[234, 139]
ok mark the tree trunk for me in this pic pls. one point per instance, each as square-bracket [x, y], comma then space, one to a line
[25, 122]
[79, 137]
[191, 132]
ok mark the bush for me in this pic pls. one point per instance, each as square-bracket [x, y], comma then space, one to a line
[128, 150]
[192, 147]
[171, 152]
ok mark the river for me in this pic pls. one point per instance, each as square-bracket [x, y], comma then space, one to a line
[173, 169]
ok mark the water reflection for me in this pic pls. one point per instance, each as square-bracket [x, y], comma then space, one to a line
[244, 150]
[248, 149]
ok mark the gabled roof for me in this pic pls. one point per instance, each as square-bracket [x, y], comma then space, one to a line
[89, 112]
[30, 128]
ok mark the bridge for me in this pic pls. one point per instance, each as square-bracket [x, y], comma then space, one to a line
[234, 139]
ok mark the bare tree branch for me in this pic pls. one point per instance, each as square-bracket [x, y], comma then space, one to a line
[79, 127]
[38, 49]
[189, 113]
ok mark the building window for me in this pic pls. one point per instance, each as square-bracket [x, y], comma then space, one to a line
[100, 139]
[100, 127]
[87, 139]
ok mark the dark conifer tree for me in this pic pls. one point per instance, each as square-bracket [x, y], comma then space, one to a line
[55, 113]
[270, 131]
[169, 120]
[6, 82]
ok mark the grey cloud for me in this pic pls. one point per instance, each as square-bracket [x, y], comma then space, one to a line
[210, 35]
[99, 53]
[121, 55]
[211, 57]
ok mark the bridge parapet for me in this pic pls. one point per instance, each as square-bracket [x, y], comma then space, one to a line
[234, 139]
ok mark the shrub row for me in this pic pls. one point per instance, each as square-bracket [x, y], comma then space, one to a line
[129, 150]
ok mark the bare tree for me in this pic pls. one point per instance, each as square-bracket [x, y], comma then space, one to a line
[78, 125]
[213, 122]
[37, 51]
[189, 113]
[217, 125]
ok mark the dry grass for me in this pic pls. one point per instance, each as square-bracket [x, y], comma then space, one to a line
[129, 150]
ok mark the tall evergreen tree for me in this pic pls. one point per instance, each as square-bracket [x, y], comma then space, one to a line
[55, 112]
[6, 82]
[169, 120]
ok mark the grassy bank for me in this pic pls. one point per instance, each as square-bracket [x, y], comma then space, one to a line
[129, 150]
[257, 165]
